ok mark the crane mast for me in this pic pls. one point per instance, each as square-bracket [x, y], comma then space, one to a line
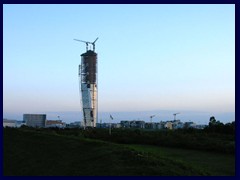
[175, 115]
[151, 117]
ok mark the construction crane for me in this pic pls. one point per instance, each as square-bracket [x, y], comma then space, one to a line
[151, 117]
[93, 43]
[175, 115]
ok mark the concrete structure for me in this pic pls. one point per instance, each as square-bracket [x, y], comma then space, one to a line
[55, 123]
[161, 125]
[107, 125]
[137, 124]
[200, 126]
[12, 123]
[115, 125]
[76, 124]
[35, 120]
[88, 73]
[177, 124]
[20, 123]
[88, 82]
[151, 125]
[125, 124]
[190, 125]
[168, 125]
[9, 123]
[148, 125]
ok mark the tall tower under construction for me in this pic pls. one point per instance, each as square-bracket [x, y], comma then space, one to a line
[88, 84]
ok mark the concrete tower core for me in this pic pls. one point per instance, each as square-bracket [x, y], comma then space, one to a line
[88, 82]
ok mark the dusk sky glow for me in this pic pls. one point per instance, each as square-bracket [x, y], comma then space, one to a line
[151, 59]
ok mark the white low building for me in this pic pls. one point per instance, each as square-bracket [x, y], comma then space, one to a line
[9, 123]
[55, 123]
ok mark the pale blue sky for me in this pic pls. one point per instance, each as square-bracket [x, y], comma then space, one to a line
[150, 58]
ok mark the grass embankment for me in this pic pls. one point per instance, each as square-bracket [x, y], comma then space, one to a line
[38, 153]
[182, 138]
[217, 164]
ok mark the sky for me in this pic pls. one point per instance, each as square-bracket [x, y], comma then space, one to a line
[152, 59]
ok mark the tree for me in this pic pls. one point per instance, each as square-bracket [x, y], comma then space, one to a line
[216, 126]
[212, 121]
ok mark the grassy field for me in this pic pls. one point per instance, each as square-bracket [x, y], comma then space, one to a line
[217, 164]
[38, 153]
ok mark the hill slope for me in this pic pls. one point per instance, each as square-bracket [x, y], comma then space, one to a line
[29, 152]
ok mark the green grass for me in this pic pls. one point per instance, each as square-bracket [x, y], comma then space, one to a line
[39, 153]
[216, 164]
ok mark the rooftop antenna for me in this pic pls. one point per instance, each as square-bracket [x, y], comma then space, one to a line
[86, 42]
[175, 115]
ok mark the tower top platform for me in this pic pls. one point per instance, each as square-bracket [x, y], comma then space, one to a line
[89, 53]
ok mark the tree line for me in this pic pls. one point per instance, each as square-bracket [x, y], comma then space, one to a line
[216, 137]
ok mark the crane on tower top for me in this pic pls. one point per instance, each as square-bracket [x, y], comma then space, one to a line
[175, 115]
[86, 42]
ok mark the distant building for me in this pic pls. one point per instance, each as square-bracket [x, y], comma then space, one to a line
[12, 123]
[177, 124]
[105, 125]
[137, 124]
[148, 125]
[161, 125]
[9, 123]
[115, 125]
[190, 125]
[155, 125]
[169, 125]
[200, 126]
[55, 123]
[76, 124]
[20, 123]
[35, 120]
[125, 124]
[98, 125]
